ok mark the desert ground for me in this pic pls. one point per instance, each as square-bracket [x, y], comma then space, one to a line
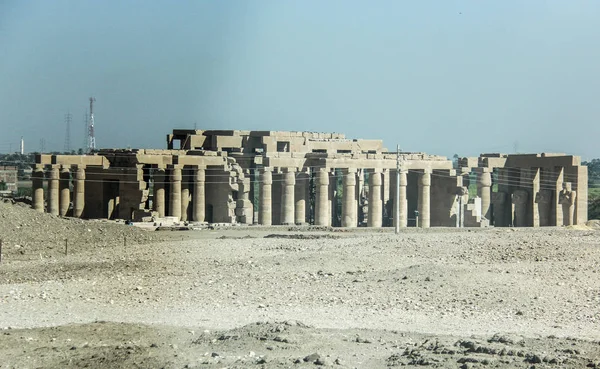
[99, 294]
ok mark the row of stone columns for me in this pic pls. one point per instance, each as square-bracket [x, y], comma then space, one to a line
[293, 195]
[59, 192]
[180, 192]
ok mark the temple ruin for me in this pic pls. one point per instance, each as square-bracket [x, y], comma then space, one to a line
[323, 179]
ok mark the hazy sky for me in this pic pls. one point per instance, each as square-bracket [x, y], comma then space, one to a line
[440, 76]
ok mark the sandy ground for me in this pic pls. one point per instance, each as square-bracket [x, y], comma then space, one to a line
[252, 297]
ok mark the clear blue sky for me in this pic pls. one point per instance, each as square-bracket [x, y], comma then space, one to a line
[441, 76]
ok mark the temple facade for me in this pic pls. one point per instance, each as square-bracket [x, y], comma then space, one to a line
[323, 179]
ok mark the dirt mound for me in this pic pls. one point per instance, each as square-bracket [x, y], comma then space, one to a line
[279, 345]
[593, 224]
[580, 227]
[303, 236]
[25, 233]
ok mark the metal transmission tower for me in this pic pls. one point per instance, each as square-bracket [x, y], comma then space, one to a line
[91, 136]
[68, 119]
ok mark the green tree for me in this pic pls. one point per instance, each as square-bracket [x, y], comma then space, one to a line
[455, 160]
[593, 188]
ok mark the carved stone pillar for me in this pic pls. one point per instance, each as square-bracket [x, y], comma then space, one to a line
[567, 198]
[159, 191]
[543, 199]
[375, 218]
[519, 201]
[79, 192]
[300, 198]
[37, 181]
[199, 197]
[265, 213]
[424, 205]
[349, 198]
[499, 201]
[322, 217]
[53, 190]
[175, 195]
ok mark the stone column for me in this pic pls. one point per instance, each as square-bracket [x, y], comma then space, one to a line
[185, 193]
[300, 198]
[199, 197]
[37, 181]
[79, 192]
[322, 217]
[375, 201]
[424, 199]
[403, 218]
[159, 191]
[484, 190]
[65, 191]
[349, 198]
[332, 208]
[175, 195]
[287, 197]
[53, 190]
[385, 186]
[265, 214]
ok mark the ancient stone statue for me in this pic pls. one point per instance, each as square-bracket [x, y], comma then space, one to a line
[519, 201]
[566, 198]
[499, 204]
[544, 200]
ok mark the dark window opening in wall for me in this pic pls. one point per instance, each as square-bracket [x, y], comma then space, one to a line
[227, 149]
[283, 146]
[372, 152]
[344, 151]
[320, 151]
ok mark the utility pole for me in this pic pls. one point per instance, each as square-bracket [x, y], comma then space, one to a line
[397, 201]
